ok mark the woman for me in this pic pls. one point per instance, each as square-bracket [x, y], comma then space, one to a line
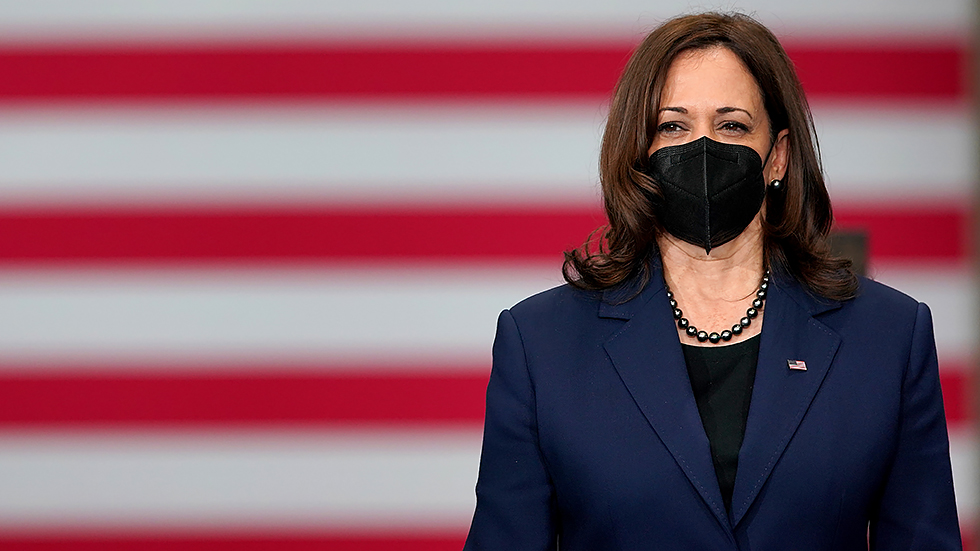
[712, 377]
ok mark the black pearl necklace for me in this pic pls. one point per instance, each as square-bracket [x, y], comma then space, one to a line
[726, 335]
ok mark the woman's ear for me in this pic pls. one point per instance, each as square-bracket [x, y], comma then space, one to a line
[779, 157]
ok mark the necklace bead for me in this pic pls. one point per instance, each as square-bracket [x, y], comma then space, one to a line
[714, 337]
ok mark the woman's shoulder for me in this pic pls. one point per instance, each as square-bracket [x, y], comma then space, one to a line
[871, 295]
[561, 301]
[569, 300]
[876, 295]
[876, 309]
[879, 307]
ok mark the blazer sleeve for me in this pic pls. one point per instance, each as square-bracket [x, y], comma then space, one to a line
[917, 508]
[514, 495]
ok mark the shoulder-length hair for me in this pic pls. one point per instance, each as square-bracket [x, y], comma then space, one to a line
[795, 230]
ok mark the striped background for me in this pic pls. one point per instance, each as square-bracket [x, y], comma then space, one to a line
[252, 252]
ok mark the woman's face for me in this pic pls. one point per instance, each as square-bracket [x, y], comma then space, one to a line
[711, 93]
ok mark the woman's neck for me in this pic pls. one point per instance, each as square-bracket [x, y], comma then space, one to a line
[715, 289]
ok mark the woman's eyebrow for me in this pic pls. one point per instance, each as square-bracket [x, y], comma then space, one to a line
[722, 110]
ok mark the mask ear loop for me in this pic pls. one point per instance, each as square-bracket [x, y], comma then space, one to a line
[774, 195]
[775, 183]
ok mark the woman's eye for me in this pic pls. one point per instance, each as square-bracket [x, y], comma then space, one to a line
[734, 127]
[669, 127]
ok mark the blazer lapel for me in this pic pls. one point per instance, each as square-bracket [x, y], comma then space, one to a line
[781, 396]
[647, 354]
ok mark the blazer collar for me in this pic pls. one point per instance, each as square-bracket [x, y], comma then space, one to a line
[648, 357]
[791, 331]
[623, 301]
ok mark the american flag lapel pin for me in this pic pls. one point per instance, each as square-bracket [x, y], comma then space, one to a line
[798, 365]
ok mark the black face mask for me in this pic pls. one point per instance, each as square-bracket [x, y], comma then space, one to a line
[711, 190]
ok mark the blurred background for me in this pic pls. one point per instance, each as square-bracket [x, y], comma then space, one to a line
[252, 252]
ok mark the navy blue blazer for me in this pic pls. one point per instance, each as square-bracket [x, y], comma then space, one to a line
[593, 437]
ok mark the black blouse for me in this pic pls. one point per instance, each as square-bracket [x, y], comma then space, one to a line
[722, 378]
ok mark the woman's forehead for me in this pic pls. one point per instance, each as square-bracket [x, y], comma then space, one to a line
[709, 79]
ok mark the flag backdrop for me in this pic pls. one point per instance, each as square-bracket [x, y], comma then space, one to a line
[252, 252]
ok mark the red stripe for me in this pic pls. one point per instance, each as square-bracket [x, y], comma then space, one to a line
[328, 70]
[409, 543]
[363, 396]
[350, 397]
[297, 234]
[297, 543]
[958, 395]
[445, 234]
[312, 71]
[899, 70]
[912, 232]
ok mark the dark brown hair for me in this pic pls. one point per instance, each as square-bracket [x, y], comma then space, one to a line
[795, 231]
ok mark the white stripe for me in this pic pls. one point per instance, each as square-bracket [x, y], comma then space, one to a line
[883, 153]
[259, 316]
[951, 295]
[421, 153]
[243, 481]
[963, 456]
[402, 315]
[159, 19]
[255, 480]
[358, 154]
